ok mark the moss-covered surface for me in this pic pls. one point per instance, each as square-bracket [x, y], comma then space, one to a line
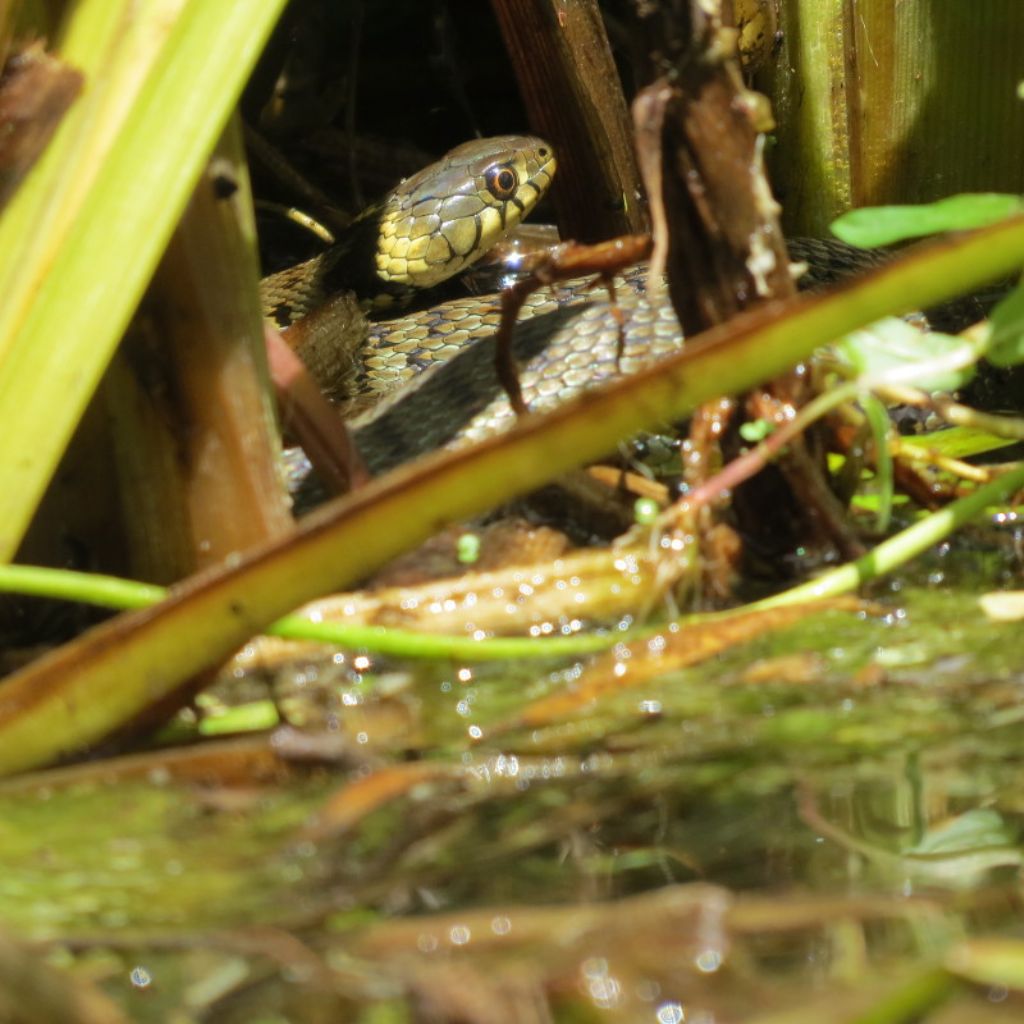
[821, 817]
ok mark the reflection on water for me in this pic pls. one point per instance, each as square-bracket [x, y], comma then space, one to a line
[790, 832]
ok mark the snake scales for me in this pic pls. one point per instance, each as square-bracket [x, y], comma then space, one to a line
[437, 223]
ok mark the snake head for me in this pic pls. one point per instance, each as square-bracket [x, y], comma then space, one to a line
[442, 219]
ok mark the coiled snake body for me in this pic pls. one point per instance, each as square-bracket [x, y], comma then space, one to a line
[437, 223]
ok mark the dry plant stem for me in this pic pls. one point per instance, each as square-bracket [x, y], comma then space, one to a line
[851, 441]
[35, 90]
[850, 437]
[698, 130]
[702, 454]
[701, 153]
[310, 418]
[564, 262]
[572, 92]
[701, 457]
[231, 435]
[593, 585]
[957, 415]
[928, 493]
[207, 416]
[296, 216]
[648, 113]
[914, 455]
[725, 250]
[622, 479]
[149, 480]
[743, 467]
[243, 761]
[8, 11]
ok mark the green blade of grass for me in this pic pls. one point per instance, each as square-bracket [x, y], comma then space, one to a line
[878, 420]
[122, 594]
[906, 544]
[73, 273]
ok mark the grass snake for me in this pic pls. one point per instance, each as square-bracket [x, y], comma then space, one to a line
[429, 375]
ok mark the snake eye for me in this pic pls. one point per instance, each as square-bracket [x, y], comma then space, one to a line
[501, 182]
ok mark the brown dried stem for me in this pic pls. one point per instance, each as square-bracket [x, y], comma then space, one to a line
[716, 227]
[571, 88]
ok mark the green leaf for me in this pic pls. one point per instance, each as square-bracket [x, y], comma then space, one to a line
[882, 225]
[252, 717]
[1006, 344]
[978, 828]
[892, 346]
[958, 442]
[878, 420]
[755, 431]
[989, 961]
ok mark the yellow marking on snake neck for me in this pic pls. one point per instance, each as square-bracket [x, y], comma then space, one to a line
[431, 226]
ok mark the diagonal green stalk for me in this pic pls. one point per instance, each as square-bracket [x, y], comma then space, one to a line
[878, 420]
[121, 594]
[906, 544]
[85, 690]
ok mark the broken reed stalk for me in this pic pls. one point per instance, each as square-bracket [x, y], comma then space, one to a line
[700, 136]
[569, 82]
[196, 441]
[35, 91]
